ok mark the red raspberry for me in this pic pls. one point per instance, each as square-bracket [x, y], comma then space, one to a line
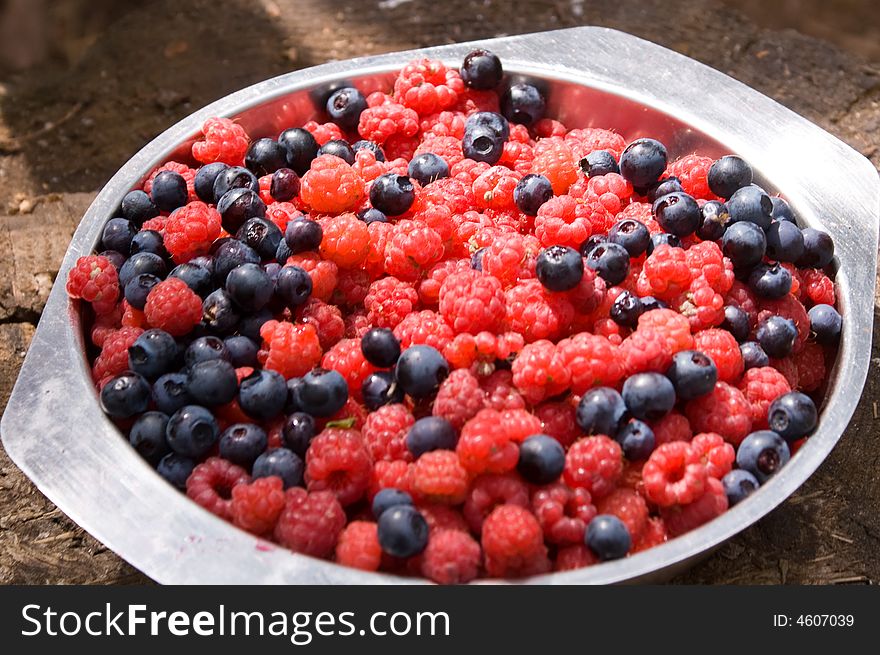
[724, 410]
[439, 477]
[451, 557]
[500, 392]
[661, 333]
[574, 557]
[672, 427]
[640, 211]
[352, 413]
[791, 308]
[681, 519]
[398, 147]
[485, 446]
[818, 287]
[106, 324]
[510, 257]
[327, 320]
[367, 166]
[190, 230]
[95, 280]
[589, 294]
[331, 185]
[490, 490]
[630, 507]
[257, 506]
[444, 123]
[211, 484]
[475, 100]
[674, 474]
[612, 190]
[555, 160]
[310, 523]
[548, 127]
[389, 301]
[513, 543]
[558, 421]
[674, 328]
[796, 280]
[429, 288]
[702, 305]
[356, 324]
[377, 123]
[471, 301]
[385, 431]
[539, 371]
[174, 307]
[706, 260]
[338, 461]
[665, 273]
[351, 287]
[358, 546]
[323, 272]
[387, 475]
[442, 517]
[563, 513]
[517, 156]
[761, 386]
[157, 224]
[789, 369]
[716, 454]
[494, 188]
[447, 147]
[564, 221]
[536, 313]
[424, 327]
[741, 296]
[810, 364]
[724, 351]
[225, 141]
[324, 132]
[693, 171]
[654, 535]
[113, 358]
[427, 86]
[592, 361]
[519, 423]
[459, 398]
[292, 350]
[595, 464]
[132, 317]
[347, 358]
[346, 240]
[587, 140]
[412, 248]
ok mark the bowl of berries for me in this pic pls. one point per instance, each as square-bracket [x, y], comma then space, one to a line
[531, 309]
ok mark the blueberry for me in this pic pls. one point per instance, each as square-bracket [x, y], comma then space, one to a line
[403, 531]
[237, 206]
[192, 431]
[793, 415]
[738, 485]
[610, 261]
[392, 194]
[242, 351]
[291, 405]
[420, 370]
[714, 219]
[728, 174]
[770, 281]
[117, 235]
[601, 411]
[262, 394]
[285, 185]
[231, 253]
[282, 252]
[322, 392]
[777, 336]
[380, 388]
[212, 382]
[762, 454]
[477, 259]
[541, 459]
[818, 249]
[282, 463]
[785, 241]
[648, 396]
[138, 207]
[523, 104]
[303, 234]
[650, 303]
[262, 235]
[249, 287]
[249, 326]
[632, 235]
[825, 324]
[626, 309]
[677, 213]
[301, 148]
[753, 355]
[242, 443]
[599, 162]
[169, 392]
[205, 178]
[663, 187]
[169, 191]
[265, 156]
[744, 244]
[481, 69]
[636, 439]
[338, 148]
[152, 353]
[593, 241]
[204, 349]
[116, 258]
[138, 288]
[643, 162]
[560, 268]
[372, 146]
[387, 498]
[298, 432]
[147, 436]
[345, 106]
[176, 469]
[293, 286]
[751, 204]
[234, 177]
[148, 241]
[607, 537]
[427, 168]
[380, 347]
[482, 143]
[125, 395]
[272, 269]
[142, 262]
[782, 210]
[664, 239]
[431, 433]
[197, 278]
[493, 120]
[736, 321]
[692, 374]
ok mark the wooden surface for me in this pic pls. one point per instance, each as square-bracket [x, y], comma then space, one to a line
[64, 131]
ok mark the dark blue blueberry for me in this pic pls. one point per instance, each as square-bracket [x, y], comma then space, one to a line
[117, 235]
[138, 207]
[205, 178]
[345, 106]
[125, 395]
[291, 405]
[493, 120]
[138, 288]
[599, 162]
[593, 241]
[785, 241]
[762, 454]
[142, 262]
[282, 252]
[242, 352]
[664, 239]
[249, 287]
[770, 281]
[825, 324]
[427, 168]
[272, 270]
[481, 69]
[728, 174]
[192, 431]
[636, 439]
[692, 374]
[212, 382]
[744, 244]
[531, 192]
[751, 204]
[283, 463]
[610, 261]
[237, 206]
[777, 336]
[169, 392]
[303, 234]
[301, 148]
[626, 309]
[648, 396]
[560, 268]
[738, 485]
[262, 394]
[523, 104]
[403, 531]
[197, 278]
[714, 219]
[293, 286]
[228, 254]
[169, 191]
[677, 213]
[818, 249]
[147, 436]
[541, 459]
[338, 148]
[420, 370]
[204, 349]
[205, 261]
[372, 215]
[249, 326]
[152, 353]
[607, 537]
[793, 415]
[322, 392]
[650, 303]
[477, 259]
[736, 321]
[601, 411]
[285, 185]
[643, 162]
[753, 355]
[380, 388]
[262, 235]
[116, 258]
[242, 443]
[663, 187]
[632, 235]
[372, 146]
[380, 347]
[219, 314]
[392, 194]
[387, 498]
[298, 432]
[265, 156]
[431, 433]
[482, 143]
[782, 210]
[176, 469]
[234, 177]
[148, 241]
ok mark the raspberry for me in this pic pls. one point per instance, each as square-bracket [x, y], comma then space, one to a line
[702, 305]
[347, 358]
[500, 392]
[327, 320]
[190, 230]
[358, 546]
[555, 160]
[225, 141]
[536, 313]
[693, 171]
[796, 280]
[475, 100]
[564, 221]
[356, 324]
[595, 464]
[612, 190]
[95, 280]
[338, 461]
[459, 398]
[490, 490]
[447, 147]
[563, 513]
[132, 317]
[113, 358]
[592, 361]
[429, 288]
[548, 127]
[706, 261]
[672, 427]
[539, 371]
[387, 475]
[310, 523]
[818, 287]
[665, 274]
[106, 324]
[510, 257]
[661, 333]
[292, 350]
[439, 477]
[789, 369]
[351, 288]
[385, 431]
[257, 506]
[494, 188]
[187, 173]
[589, 294]
[442, 517]
[412, 248]
[724, 351]
[401, 148]
[513, 543]
[629, 507]
[671, 325]
[517, 156]
[674, 474]
[558, 421]
[352, 413]
[741, 296]
[791, 308]
[654, 535]
[471, 302]
[584, 141]
[157, 224]
[427, 86]
[723, 410]
[485, 446]
[712, 503]
[323, 272]
[574, 557]
[389, 301]
[761, 386]
[211, 484]
[716, 454]
[324, 132]
[451, 557]
[810, 364]
[444, 123]
[346, 241]
[382, 121]
[424, 327]
[331, 185]
[174, 307]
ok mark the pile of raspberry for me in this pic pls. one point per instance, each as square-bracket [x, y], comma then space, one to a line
[434, 332]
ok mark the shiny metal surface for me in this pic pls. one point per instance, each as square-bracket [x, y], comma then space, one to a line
[55, 431]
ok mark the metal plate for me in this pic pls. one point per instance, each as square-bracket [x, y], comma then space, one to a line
[55, 431]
